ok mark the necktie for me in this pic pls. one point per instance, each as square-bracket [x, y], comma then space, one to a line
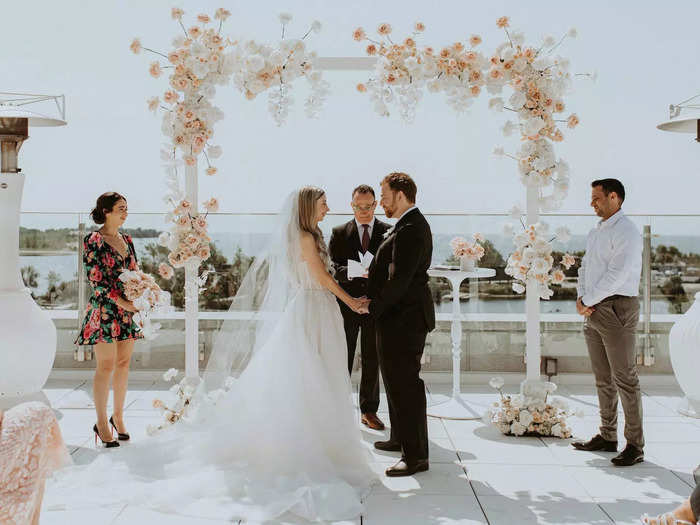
[365, 238]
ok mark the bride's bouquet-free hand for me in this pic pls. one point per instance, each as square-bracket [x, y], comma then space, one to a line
[141, 289]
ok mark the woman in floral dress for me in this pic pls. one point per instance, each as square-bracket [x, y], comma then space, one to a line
[108, 323]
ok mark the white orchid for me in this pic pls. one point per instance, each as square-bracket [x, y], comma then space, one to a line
[496, 382]
[170, 374]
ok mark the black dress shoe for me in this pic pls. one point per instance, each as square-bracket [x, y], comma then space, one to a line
[597, 442]
[629, 456]
[407, 468]
[388, 446]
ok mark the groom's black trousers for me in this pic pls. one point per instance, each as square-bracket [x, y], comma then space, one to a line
[400, 350]
[369, 382]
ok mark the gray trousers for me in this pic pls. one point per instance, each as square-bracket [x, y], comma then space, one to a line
[611, 340]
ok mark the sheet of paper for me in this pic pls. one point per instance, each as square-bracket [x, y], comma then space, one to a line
[355, 269]
[359, 268]
[366, 259]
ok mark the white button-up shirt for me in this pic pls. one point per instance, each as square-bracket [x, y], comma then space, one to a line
[612, 264]
[361, 229]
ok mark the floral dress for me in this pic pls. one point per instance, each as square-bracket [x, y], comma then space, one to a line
[104, 321]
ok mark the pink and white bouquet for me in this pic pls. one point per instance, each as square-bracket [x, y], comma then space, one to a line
[533, 259]
[471, 250]
[520, 414]
[403, 70]
[259, 67]
[141, 289]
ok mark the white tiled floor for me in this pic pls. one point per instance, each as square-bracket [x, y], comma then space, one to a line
[476, 475]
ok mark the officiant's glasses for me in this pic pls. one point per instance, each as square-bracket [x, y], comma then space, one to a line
[364, 208]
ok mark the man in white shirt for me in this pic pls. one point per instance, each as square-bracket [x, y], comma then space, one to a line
[608, 286]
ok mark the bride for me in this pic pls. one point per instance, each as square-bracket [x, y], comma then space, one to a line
[273, 428]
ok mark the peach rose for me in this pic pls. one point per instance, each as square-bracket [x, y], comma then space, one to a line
[135, 46]
[361, 88]
[572, 121]
[176, 13]
[371, 50]
[153, 103]
[212, 205]
[474, 40]
[189, 160]
[359, 34]
[475, 90]
[502, 22]
[204, 19]
[211, 170]
[384, 29]
[419, 27]
[194, 32]
[154, 69]
[166, 272]
[222, 14]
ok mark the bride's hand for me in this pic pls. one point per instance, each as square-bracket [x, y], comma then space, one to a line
[359, 305]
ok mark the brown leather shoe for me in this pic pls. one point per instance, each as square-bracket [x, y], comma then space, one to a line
[372, 421]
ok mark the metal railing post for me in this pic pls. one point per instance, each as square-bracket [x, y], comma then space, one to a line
[648, 355]
[79, 354]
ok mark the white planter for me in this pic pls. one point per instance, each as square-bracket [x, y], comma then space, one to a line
[466, 264]
[684, 343]
[27, 333]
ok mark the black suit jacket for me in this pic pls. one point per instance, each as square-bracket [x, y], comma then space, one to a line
[398, 275]
[344, 244]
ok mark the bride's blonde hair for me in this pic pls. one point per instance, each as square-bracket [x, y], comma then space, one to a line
[308, 197]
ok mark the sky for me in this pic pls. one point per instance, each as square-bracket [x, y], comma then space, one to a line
[646, 55]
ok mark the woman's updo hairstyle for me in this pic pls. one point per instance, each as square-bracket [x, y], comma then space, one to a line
[104, 205]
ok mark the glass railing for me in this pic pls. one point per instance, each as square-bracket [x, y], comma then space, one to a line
[52, 268]
[494, 314]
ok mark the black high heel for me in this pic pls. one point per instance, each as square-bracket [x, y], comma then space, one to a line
[107, 444]
[122, 437]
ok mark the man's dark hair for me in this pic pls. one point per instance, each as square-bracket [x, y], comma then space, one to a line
[398, 181]
[364, 189]
[610, 185]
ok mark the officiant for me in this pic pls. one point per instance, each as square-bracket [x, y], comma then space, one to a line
[352, 247]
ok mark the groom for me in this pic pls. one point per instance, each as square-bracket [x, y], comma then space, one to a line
[364, 233]
[402, 306]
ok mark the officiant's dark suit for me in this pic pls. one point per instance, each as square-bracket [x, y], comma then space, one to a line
[347, 240]
[402, 306]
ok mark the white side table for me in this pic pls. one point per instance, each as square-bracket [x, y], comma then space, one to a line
[457, 407]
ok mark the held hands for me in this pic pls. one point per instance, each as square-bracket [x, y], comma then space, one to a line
[360, 305]
[582, 309]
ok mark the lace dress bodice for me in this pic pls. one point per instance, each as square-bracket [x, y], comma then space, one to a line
[31, 448]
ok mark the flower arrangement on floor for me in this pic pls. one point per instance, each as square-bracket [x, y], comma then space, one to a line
[533, 258]
[468, 252]
[403, 70]
[198, 62]
[181, 407]
[262, 67]
[519, 415]
[141, 289]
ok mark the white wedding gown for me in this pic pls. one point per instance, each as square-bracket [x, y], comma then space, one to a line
[284, 438]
